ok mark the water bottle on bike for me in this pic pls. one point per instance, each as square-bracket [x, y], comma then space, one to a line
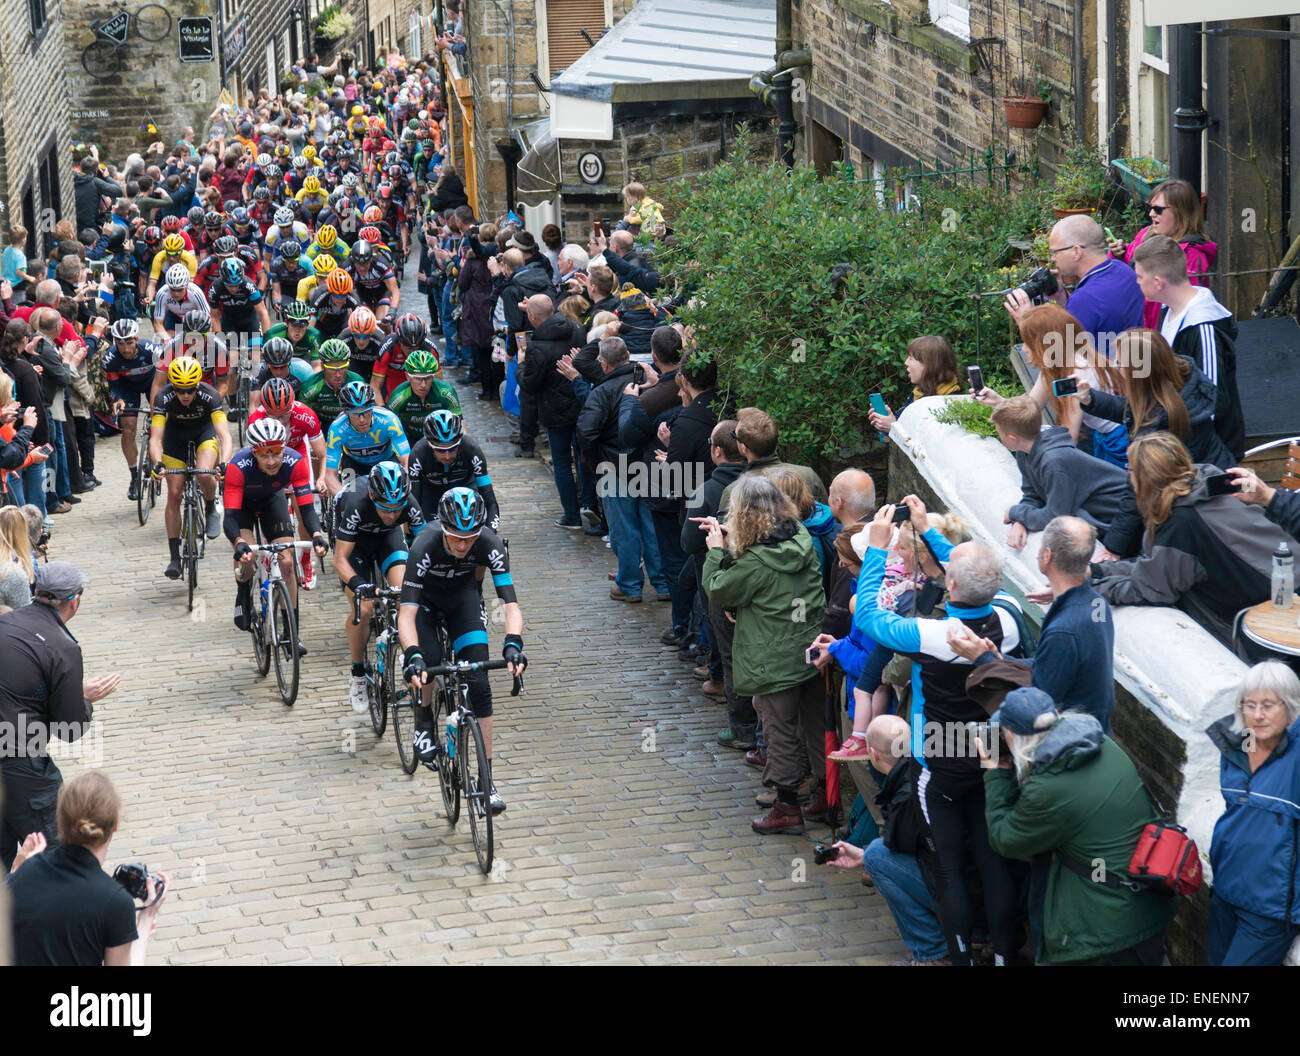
[453, 721]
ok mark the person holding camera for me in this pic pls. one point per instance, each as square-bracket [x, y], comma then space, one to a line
[67, 912]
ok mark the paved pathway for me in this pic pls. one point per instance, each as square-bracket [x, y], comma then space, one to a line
[292, 836]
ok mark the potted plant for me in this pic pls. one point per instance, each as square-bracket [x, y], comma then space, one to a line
[1028, 110]
[1140, 175]
[1080, 182]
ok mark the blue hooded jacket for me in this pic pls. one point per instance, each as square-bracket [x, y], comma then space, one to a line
[824, 529]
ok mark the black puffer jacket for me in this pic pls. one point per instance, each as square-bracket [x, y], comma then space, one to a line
[522, 284]
[552, 339]
[598, 422]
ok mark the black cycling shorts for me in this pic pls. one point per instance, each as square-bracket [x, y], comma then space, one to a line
[176, 442]
[461, 610]
[272, 515]
[383, 550]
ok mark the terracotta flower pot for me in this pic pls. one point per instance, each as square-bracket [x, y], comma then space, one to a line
[1060, 213]
[1024, 111]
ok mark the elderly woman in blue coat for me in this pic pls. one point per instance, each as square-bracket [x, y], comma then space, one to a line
[1255, 851]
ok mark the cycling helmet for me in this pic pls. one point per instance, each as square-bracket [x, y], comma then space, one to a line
[196, 321]
[298, 162]
[266, 434]
[195, 215]
[232, 271]
[212, 218]
[371, 235]
[421, 364]
[308, 152]
[462, 510]
[263, 160]
[291, 249]
[171, 223]
[273, 172]
[228, 206]
[358, 110]
[152, 235]
[372, 215]
[297, 311]
[326, 236]
[282, 151]
[311, 185]
[389, 486]
[178, 276]
[392, 158]
[295, 207]
[362, 321]
[277, 352]
[261, 193]
[240, 218]
[385, 191]
[323, 265]
[334, 354]
[125, 330]
[443, 428]
[410, 330]
[363, 252]
[356, 397]
[277, 396]
[226, 246]
[339, 282]
[284, 216]
[185, 372]
[349, 179]
[173, 244]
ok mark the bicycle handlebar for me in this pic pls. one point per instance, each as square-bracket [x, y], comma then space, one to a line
[189, 471]
[380, 592]
[468, 666]
[275, 548]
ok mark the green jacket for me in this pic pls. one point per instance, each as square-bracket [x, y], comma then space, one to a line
[776, 591]
[1083, 797]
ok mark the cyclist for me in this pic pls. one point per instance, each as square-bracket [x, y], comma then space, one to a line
[238, 308]
[129, 367]
[360, 437]
[244, 231]
[284, 228]
[333, 302]
[178, 298]
[297, 327]
[374, 279]
[194, 338]
[278, 361]
[362, 343]
[188, 411]
[370, 535]
[254, 496]
[323, 392]
[327, 242]
[288, 269]
[262, 212]
[173, 252]
[441, 585]
[409, 333]
[312, 196]
[444, 458]
[421, 393]
[321, 268]
[174, 225]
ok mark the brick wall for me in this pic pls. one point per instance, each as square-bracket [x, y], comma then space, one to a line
[33, 105]
[897, 89]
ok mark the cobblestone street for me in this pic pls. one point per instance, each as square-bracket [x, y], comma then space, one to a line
[292, 836]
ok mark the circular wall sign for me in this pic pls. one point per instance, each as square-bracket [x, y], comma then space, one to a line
[591, 167]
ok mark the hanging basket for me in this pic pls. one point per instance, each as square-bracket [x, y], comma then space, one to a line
[1024, 111]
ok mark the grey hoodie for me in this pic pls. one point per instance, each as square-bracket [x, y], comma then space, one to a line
[1059, 480]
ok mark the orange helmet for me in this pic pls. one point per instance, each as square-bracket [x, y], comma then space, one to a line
[372, 215]
[339, 282]
[362, 321]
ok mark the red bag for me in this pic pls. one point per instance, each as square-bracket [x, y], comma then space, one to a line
[1166, 859]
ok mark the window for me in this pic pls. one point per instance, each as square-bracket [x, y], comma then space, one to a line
[1151, 132]
[47, 176]
[952, 16]
[36, 11]
[230, 10]
[565, 44]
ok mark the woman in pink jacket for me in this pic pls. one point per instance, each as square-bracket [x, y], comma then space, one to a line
[1175, 210]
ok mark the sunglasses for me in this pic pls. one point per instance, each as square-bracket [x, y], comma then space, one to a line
[1156, 209]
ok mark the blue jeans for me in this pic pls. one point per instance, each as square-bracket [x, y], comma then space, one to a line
[452, 355]
[898, 878]
[632, 538]
[1238, 937]
[32, 486]
[62, 480]
[564, 454]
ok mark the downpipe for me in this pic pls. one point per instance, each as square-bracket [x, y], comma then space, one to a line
[775, 87]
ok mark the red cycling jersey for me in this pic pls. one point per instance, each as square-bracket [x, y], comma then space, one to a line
[245, 481]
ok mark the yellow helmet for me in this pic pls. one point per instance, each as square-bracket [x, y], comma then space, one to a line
[358, 110]
[378, 86]
[326, 236]
[324, 264]
[173, 243]
[185, 372]
[309, 152]
[311, 185]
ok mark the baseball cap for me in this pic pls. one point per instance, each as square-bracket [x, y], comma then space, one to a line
[60, 579]
[1026, 711]
[522, 240]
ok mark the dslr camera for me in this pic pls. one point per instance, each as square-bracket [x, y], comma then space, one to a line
[134, 877]
[1041, 283]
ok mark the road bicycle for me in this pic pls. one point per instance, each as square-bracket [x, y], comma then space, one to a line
[273, 628]
[150, 486]
[194, 538]
[386, 690]
[102, 58]
[460, 755]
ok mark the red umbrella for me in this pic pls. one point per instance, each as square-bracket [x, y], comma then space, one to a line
[832, 739]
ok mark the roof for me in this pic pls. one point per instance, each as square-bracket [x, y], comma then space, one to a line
[672, 49]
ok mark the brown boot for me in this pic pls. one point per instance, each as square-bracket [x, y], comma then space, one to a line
[756, 757]
[782, 820]
[817, 808]
[713, 689]
[765, 798]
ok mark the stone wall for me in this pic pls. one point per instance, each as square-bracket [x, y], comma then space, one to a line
[152, 84]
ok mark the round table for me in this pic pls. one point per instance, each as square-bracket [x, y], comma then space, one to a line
[1274, 629]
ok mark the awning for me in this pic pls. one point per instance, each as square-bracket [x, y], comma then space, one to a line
[538, 172]
[664, 50]
[1176, 12]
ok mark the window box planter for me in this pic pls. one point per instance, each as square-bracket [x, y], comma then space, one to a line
[1129, 171]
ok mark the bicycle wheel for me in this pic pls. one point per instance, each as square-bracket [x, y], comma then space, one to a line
[261, 632]
[153, 22]
[189, 550]
[478, 787]
[101, 59]
[402, 703]
[284, 642]
[448, 770]
[145, 494]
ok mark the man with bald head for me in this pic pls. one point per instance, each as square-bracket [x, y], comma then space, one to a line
[1105, 300]
[902, 859]
[624, 261]
[1074, 660]
[553, 335]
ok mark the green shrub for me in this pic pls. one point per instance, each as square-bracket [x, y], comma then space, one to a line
[972, 416]
[756, 245]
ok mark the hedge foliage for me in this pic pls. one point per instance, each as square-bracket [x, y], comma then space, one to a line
[758, 245]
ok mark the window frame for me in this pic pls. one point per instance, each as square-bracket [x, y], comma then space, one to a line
[952, 16]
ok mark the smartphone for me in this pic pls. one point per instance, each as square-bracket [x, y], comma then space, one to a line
[98, 267]
[823, 853]
[810, 654]
[902, 514]
[878, 405]
[1065, 387]
[598, 225]
[46, 449]
[975, 378]
[1221, 485]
